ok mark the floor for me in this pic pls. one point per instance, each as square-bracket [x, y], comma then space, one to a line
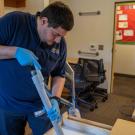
[120, 104]
[124, 86]
[107, 112]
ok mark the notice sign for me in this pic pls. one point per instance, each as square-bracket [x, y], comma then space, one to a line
[118, 35]
[123, 17]
[125, 23]
[128, 33]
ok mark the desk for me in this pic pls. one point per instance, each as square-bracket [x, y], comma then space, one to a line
[72, 60]
[79, 126]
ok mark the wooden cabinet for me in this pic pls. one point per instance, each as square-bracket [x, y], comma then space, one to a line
[14, 3]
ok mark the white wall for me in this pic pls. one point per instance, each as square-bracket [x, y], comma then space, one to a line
[93, 30]
[124, 62]
[1, 7]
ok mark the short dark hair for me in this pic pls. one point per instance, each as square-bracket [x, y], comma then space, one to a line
[58, 14]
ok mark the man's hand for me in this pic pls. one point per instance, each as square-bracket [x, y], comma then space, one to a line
[26, 57]
[54, 112]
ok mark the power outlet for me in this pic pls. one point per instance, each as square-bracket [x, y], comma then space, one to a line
[101, 47]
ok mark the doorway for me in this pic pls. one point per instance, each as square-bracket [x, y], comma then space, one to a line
[123, 73]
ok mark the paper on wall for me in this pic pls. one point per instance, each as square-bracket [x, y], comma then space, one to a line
[126, 7]
[123, 17]
[130, 6]
[118, 8]
[123, 25]
[128, 33]
[119, 12]
[118, 35]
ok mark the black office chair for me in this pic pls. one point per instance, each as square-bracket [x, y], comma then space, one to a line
[81, 84]
[88, 75]
[94, 72]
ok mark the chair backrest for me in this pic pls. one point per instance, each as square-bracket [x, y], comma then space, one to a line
[93, 70]
[78, 70]
[79, 80]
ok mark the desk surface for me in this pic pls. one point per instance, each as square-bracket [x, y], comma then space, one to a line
[71, 127]
[78, 126]
[72, 60]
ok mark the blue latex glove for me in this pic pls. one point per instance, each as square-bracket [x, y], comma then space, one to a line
[54, 112]
[26, 57]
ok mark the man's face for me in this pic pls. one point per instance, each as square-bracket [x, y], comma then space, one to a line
[50, 35]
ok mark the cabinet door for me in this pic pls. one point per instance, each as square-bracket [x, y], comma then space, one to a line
[14, 3]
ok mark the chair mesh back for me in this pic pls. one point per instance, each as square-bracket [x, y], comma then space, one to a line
[80, 82]
[90, 68]
[93, 70]
[77, 70]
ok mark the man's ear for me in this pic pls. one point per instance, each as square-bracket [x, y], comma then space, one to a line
[44, 20]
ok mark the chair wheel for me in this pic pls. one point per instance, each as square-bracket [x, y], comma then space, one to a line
[96, 106]
[91, 109]
[104, 99]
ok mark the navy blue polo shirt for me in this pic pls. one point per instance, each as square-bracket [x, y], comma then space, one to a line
[17, 91]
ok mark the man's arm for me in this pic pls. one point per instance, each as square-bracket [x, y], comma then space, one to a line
[7, 52]
[57, 86]
[24, 57]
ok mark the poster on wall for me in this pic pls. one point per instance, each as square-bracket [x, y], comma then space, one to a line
[125, 24]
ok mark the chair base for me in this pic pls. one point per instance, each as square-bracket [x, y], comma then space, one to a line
[87, 100]
[101, 92]
[90, 105]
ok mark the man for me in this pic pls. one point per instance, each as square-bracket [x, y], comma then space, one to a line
[31, 41]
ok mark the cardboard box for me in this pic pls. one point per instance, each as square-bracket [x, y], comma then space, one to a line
[123, 127]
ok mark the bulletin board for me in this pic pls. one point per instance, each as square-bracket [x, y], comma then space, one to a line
[125, 23]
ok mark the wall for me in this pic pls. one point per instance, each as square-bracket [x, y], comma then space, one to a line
[1, 7]
[124, 62]
[92, 30]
